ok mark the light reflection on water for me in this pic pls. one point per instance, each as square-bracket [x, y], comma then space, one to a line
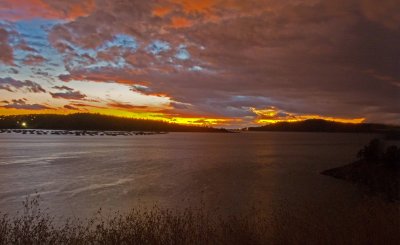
[78, 175]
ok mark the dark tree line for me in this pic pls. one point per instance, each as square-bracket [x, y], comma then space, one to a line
[87, 121]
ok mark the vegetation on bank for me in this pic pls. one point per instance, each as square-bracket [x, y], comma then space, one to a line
[87, 121]
[98, 122]
[370, 224]
[377, 168]
[319, 125]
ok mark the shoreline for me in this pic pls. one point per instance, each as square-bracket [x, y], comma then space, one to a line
[77, 132]
[376, 178]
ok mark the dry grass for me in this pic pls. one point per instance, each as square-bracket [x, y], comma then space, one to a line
[194, 226]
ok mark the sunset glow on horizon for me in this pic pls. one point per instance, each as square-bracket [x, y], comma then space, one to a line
[225, 63]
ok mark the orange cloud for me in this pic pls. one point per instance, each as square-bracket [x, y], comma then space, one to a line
[179, 22]
[56, 9]
[161, 11]
[192, 118]
[273, 115]
[201, 121]
[193, 6]
[81, 9]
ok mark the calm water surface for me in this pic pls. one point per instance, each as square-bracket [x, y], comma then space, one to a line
[77, 175]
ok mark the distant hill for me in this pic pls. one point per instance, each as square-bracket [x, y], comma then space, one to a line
[319, 125]
[87, 121]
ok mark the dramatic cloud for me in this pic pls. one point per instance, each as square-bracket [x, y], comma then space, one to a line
[76, 95]
[51, 9]
[229, 59]
[33, 60]
[70, 107]
[125, 106]
[12, 85]
[25, 47]
[6, 51]
[82, 105]
[68, 94]
[105, 74]
[21, 104]
[63, 88]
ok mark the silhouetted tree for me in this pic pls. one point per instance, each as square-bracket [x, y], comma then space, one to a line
[373, 152]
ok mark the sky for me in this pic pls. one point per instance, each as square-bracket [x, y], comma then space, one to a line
[229, 63]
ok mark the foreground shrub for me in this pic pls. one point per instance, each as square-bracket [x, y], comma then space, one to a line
[196, 226]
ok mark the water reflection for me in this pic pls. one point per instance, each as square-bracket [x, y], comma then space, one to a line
[77, 175]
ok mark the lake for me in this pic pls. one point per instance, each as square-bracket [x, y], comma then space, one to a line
[77, 175]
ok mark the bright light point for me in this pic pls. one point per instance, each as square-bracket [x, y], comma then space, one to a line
[24, 124]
